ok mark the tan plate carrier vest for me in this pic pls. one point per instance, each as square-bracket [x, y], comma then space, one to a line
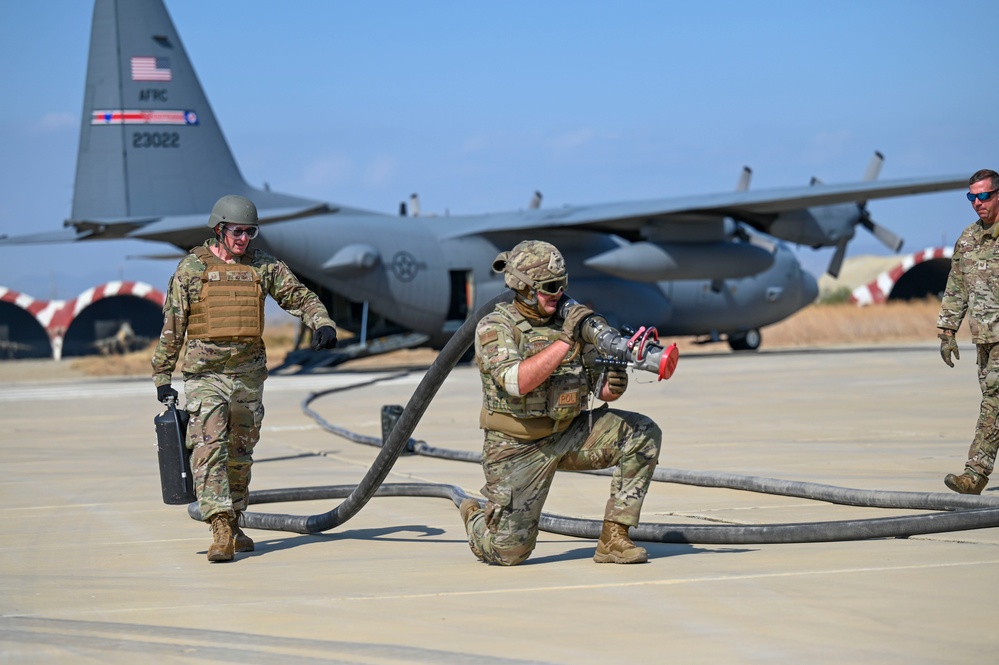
[549, 408]
[231, 303]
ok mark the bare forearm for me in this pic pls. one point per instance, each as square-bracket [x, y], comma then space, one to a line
[533, 371]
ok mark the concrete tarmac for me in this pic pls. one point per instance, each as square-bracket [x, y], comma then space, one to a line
[94, 568]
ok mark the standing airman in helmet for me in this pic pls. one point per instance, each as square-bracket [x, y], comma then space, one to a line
[536, 381]
[215, 299]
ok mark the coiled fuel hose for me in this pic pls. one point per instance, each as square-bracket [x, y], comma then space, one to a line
[955, 512]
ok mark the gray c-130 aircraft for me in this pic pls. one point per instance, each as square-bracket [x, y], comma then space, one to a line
[153, 160]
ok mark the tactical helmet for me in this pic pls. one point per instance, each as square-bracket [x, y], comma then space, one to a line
[233, 209]
[533, 264]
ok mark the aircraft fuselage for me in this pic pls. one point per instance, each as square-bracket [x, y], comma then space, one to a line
[410, 272]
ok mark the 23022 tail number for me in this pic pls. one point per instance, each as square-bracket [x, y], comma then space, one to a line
[155, 140]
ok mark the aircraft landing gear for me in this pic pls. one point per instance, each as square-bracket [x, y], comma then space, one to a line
[747, 341]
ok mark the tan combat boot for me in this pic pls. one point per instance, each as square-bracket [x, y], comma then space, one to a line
[222, 547]
[468, 508]
[615, 546]
[240, 541]
[968, 482]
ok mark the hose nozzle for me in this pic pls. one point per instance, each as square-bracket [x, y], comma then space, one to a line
[637, 348]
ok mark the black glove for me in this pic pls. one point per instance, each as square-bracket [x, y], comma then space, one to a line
[617, 381]
[165, 391]
[324, 338]
[948, 345]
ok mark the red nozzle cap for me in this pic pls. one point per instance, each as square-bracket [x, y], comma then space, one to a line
[668, 363]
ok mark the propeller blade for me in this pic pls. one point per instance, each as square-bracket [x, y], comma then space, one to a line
[744, 177]
[874, 167]
[887, 237]
[837, 259]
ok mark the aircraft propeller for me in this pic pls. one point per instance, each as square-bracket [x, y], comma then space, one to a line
[887, 237]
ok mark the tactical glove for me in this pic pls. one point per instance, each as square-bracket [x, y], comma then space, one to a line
[617, 381]
[570, 326]
[324, 338]
[165, 391]
[948, 345]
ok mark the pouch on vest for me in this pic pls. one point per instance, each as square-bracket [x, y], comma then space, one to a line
[565, 396]
[522, 429]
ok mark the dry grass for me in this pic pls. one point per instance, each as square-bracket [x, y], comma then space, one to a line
[845, 323]
[279, 339]
[818, 325]
[129, 364]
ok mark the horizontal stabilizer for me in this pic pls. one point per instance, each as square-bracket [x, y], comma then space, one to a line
[173, 256]
[176, 223]
[60, 236]
[181, 230]
[288, 214]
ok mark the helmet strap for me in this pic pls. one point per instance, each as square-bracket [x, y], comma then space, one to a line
[226, 250]
[522, 276]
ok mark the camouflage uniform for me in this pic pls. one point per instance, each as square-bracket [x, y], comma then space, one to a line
[519, 472]
[973, 289]
[223, 379]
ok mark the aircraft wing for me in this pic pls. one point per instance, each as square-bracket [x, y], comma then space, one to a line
[745, 205]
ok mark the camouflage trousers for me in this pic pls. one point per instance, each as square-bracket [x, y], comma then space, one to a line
[982, 454]
[519, 475]
[226, 413]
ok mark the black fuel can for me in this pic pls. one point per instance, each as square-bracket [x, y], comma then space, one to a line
[174, 457]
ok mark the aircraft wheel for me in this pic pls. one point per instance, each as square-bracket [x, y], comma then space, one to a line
[747, 341]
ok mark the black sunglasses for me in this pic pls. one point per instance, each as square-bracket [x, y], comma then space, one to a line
[981, 196]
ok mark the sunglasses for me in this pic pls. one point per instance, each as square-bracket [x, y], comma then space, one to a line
[249, 231]
[981, 196]
[553, 287]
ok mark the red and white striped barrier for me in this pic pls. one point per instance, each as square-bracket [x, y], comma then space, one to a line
[877, 291]
[56, 316]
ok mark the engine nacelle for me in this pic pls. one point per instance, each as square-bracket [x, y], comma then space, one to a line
[655, 262]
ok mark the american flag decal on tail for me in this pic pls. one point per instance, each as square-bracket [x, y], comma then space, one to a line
[146, 68]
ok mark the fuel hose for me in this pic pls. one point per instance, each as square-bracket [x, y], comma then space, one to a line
[954, 512]
[965, 512]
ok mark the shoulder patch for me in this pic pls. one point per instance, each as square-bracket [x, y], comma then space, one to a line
[488, 335]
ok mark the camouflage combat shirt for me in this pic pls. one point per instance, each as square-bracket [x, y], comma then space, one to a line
[227, 357]
[504, 338]
[973, 285]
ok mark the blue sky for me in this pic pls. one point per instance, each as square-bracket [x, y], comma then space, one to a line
[476, 105]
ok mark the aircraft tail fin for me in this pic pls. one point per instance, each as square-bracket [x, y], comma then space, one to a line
[150, 144]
